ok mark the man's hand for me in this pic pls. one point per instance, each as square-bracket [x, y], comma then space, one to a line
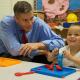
[52, 56]
[29, 47]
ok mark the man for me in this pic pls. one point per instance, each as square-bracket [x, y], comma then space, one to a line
[38, 33]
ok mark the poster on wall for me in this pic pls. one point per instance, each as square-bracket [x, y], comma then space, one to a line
[74, 4]
[38, 5]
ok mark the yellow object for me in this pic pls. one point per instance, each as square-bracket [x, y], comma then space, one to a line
[5, 62]
[72, 18]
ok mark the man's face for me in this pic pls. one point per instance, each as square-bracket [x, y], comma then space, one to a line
[25, 20]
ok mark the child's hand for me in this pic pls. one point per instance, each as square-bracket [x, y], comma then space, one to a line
[52, 56]
[67, 54]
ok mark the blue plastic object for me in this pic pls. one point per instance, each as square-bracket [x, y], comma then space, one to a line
[60, 60]
[55, 73]
[67, 25]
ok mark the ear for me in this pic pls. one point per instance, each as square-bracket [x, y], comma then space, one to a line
[16, 19]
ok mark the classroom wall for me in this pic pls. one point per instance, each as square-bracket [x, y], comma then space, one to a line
[6, 7]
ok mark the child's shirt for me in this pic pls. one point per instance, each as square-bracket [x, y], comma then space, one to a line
[67, 62]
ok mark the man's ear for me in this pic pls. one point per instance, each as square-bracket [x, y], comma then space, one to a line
[16, 19]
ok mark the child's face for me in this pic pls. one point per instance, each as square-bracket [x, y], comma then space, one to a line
[73, 36]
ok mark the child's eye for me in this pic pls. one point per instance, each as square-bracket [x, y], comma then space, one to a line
[69, 34]
[76, 34]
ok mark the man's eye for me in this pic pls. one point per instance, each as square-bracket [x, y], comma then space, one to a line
[25, 19]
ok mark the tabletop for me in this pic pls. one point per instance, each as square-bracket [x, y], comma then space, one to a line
[7, 73]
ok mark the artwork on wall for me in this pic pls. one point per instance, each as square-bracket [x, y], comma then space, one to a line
[38, 5]
[74, 5]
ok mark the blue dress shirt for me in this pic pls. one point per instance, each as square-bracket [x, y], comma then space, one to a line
[10, 36]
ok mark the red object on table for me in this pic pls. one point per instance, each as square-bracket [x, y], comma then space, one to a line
[58, 67]
[24, 73]
[50, 67]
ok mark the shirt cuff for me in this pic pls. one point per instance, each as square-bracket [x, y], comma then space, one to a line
[53, 44]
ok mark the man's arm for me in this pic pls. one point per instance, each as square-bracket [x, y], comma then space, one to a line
[27, 48]
[51, 39]
[43, 38]
[9, 40]
[46, 36]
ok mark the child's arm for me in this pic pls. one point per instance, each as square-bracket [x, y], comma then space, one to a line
[68, 55]
[76, 60]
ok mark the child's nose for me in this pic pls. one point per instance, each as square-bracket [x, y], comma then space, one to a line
[72, 35]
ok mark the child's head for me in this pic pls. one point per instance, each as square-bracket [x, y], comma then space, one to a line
[73, 35]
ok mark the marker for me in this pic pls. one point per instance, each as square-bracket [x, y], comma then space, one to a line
[24, 73]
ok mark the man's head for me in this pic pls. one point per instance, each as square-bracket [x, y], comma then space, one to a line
[22, 7]
[23, 14]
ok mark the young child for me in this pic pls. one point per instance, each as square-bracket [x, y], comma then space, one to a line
[71, 52]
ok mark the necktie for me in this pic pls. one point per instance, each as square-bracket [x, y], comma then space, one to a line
[24, 38]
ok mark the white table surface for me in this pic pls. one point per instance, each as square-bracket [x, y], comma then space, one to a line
[7, 73]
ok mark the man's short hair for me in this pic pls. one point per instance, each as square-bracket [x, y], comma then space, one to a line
[22, 7]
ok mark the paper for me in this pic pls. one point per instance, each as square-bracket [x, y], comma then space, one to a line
[4, 62]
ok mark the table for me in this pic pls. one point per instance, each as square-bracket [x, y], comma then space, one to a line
[7, 73]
